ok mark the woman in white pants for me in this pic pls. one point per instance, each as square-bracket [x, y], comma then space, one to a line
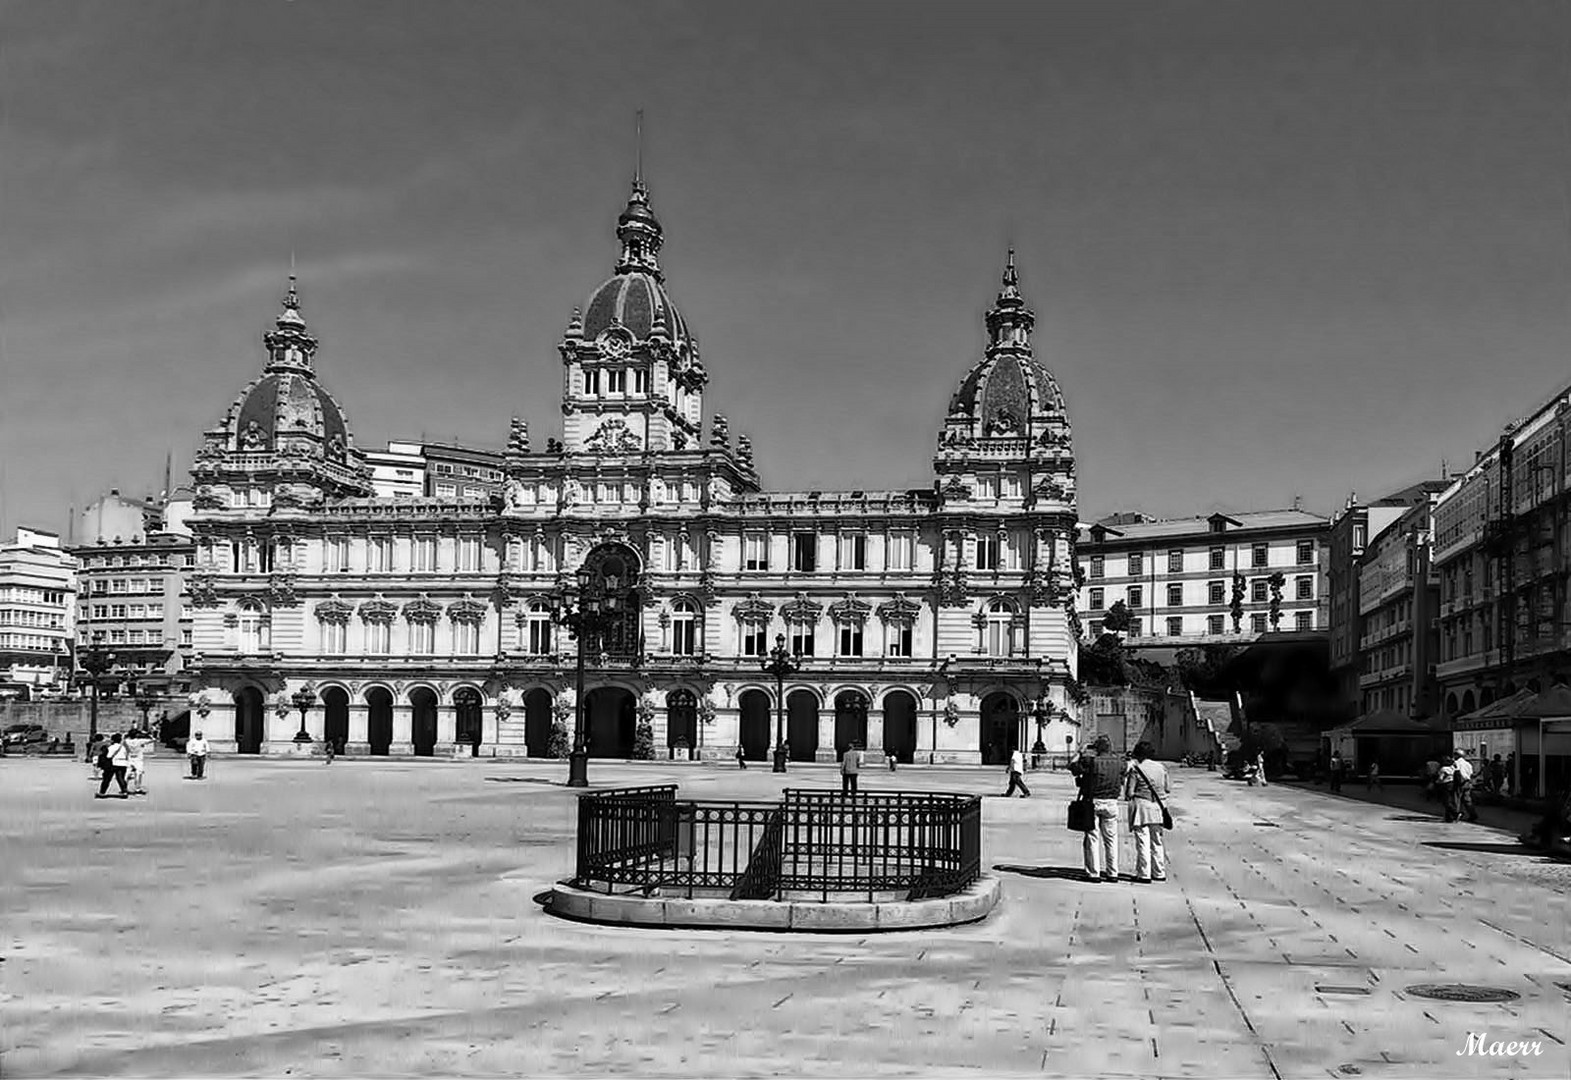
[1146, 788]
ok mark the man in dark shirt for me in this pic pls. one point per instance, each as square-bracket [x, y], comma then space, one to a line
[1101, 779]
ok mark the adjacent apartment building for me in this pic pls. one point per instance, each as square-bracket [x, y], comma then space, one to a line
[1214, 579]
[37, 595]
[1398, 599]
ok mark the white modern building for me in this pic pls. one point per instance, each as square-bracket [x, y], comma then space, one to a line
[37, 605]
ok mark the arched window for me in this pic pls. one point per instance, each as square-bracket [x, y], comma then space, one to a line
[684, 628]
[537, 622]
[999, 627]
[253, 627]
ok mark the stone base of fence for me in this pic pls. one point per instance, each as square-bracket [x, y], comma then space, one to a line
[623, 909]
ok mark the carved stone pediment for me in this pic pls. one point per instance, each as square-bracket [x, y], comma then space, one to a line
[900, 609]
[955, 490]
[334, 610]
[853, 609]
[422, 609]
[754, 609]
[613, 437]
[377, 609]
[801, 609]
[466, 609]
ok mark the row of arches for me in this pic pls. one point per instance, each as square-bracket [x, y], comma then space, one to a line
[1467, 701]
[610, 722]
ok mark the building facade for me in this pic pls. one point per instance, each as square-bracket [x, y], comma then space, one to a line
[1398, 601]
[933, 624]
[1217, 579]
[37, 601]
[1501, 550]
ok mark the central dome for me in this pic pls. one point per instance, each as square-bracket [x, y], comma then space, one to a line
[636, 300]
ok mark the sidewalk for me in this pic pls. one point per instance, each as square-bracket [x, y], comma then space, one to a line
[1508, 819]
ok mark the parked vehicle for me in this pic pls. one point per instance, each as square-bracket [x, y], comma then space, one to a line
[23, 734]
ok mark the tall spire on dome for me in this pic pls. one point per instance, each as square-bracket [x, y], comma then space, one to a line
[637, 228]
[1009, 321]
[290, 345]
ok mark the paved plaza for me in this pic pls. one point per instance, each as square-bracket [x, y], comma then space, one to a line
[379, 917]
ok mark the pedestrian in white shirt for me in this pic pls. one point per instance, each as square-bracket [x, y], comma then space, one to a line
[1146, 787]
[196, 750]
[136, 746]
[1017, 767]
[1462, 782]
[113, 760]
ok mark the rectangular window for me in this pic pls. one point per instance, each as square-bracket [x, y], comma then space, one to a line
[1257, 623]
[422, 638]
[1258, 555]
[377, 637]
[466, 638]
[337, 554]
[100, 611]
[1096, 603]
[118, 585]
[1175, 596]
[853, 552]
[1098, 565]
[1134, 627]
[802, 639]
[616, 381]
[1136, 562]
[1214, 624]
[1218, 558]
[987, 553]
[640, 381]
[185, 636]
[1175, 562]
[333, 634]
[1216, 593]
[423, 558]
[684, 636]
[1305, 588]
[1306, 552]
[902, 546]
[754, 635]
[1134, 597]
[1303, 620]
[100, 586]
[1175, 626]
[119, 611]
[380, 552]
[592, 384]
[1257, 590]
[755, 552]
[804, 552]
[851, 639]
[899, 639]
[468, 554]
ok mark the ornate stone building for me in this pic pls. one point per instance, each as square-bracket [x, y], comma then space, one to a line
[935, 624]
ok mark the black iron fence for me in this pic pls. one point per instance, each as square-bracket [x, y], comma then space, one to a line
[811, 844]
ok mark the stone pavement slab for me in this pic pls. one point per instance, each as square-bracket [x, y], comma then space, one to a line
[378, 917]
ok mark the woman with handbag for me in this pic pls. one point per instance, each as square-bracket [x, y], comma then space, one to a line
[1144, 787]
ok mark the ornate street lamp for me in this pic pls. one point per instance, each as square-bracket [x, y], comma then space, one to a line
[780, 664]
[303, 699]
[95, 662]
[145, 699]
[595, 609]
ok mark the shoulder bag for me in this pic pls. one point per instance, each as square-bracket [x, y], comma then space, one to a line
[1167, 818]
[1080, 814]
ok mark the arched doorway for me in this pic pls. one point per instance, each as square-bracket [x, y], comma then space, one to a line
[250, 721]
[681, 723]
[1000, 728]
[753, 733]
[379, 721]
[537, 723]
[335, 717]
[422, 721]
[850, 721]
[900, 726]
[609, 722]
[466, 711]
[802, 725]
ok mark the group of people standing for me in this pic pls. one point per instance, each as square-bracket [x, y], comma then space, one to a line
[121, 759]
[1105, 780]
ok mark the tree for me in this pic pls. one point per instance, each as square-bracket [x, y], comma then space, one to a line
[1204, 670]
[1236, 608]
[1102, 663]
[1118, 619]
[1276, 581]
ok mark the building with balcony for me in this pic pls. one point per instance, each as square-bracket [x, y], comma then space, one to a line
[1500, 550]
[1224, 578]
[1398, 600]
[37, 601]
[933, 624]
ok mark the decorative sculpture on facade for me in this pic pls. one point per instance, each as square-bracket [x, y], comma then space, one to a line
[613, 437]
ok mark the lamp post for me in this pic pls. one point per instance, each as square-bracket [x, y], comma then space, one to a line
[303, 699]
[780, 664]
[95, 662]
[596, 608]
[145, 700]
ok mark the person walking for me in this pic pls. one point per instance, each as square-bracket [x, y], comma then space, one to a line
[1497, 776]
[1432, 779]
[1445, 784]
[1511, 773]
[850, 768]
[1260, 767]
[1017, 766]
[1372, 781]
[1462, 780]
[1101, 779]
[1336, 771]
[741, 759]
[1146, 789]
[196, 751]
[113, 763]
[136, 746]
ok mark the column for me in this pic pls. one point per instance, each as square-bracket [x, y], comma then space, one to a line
[875, 731]
[217, 727]
[826, 731]
[490, 730]
[446, 729]
[403, 730]
[359, 741]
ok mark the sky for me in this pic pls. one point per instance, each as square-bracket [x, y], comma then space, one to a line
[1274, 249]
